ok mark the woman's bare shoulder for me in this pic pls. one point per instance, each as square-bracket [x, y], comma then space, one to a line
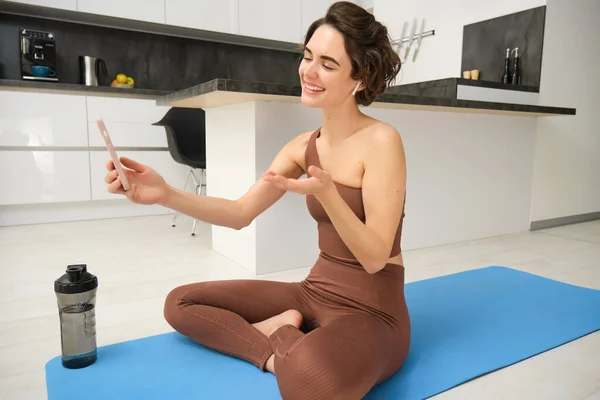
[383, 153]
[303, 138]
[380, 134]
[297, 148]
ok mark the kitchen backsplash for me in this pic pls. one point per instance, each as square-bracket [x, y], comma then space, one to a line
[485, 44]
[154, 61]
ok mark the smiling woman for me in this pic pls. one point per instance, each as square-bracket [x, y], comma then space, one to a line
[364, 54]
[345, 327]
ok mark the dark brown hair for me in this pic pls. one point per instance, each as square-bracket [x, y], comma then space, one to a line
[368, 45]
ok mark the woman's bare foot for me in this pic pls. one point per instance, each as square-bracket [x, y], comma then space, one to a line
[289, 317]
[268, 326]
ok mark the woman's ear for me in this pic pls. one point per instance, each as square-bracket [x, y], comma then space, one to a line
[356, 87]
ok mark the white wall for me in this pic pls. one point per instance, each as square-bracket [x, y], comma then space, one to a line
[566, 180]
[469, 175]
[440, 55]
[567, 158]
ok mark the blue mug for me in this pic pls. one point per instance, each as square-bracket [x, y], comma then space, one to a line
[41, 71]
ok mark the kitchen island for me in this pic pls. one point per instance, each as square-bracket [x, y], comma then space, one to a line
[470, 165]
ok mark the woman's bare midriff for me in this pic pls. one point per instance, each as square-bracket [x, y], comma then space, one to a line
[396, 260]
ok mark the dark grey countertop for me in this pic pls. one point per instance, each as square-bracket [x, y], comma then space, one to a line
[225, 91]
[448, 87]
[70, 88]
[495, 85]
[204, 95]
[453, 82]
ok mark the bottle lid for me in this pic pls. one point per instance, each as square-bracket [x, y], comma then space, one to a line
[76, 280]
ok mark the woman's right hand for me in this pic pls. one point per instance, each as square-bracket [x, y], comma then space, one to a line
[147, 186]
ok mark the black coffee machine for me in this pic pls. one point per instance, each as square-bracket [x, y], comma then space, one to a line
[38, 55]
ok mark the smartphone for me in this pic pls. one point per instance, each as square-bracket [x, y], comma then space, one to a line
[113, 153]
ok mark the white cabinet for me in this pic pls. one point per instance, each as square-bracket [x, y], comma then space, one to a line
[161, 161]
[125, 134]
[54, 159]
[64, 163]
[282, 20]
[312, 10]
[44, 177]
[271, 19]
[56, 169]
[63, 4]
[209, 15]
[147, 10]
[113, 109]
[129, 122]
[42, 119]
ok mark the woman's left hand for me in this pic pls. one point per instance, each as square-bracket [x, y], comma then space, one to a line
[318, 183]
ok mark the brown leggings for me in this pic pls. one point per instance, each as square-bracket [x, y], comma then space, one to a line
[355, 332]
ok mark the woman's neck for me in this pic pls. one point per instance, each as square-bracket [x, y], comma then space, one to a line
[341, 122]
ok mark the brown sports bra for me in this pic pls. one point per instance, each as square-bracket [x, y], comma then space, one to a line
[330, 242]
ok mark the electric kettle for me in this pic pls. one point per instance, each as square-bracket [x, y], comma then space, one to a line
[90, 69]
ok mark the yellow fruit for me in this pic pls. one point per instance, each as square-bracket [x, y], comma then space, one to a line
[130, 81]
[121, 78]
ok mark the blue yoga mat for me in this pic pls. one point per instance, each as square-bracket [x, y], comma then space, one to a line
[464, 325]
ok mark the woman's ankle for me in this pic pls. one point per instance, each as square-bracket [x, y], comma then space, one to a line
[270, 364]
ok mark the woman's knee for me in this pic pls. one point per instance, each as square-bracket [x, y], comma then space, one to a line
[328, 366]
[174, 304]
[308, 373]
[315, 384]
[179, 298]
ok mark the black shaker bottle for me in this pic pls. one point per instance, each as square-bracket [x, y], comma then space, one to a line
[76, 297]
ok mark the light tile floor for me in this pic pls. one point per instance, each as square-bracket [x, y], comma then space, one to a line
[138, 260]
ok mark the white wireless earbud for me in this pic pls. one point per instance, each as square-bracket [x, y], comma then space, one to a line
[356, 88]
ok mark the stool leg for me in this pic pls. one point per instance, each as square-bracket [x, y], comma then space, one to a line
[194, 227]
[184, 186]
[199, 185]
[203, 187]
[200, 190]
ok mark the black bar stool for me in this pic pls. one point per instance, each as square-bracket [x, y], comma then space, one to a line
[186, 138]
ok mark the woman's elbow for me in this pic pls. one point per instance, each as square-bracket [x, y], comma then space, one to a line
[377, 258]
[373, 269]
[239, 217]
[242, 220]
[240, 223]
[375, 265]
